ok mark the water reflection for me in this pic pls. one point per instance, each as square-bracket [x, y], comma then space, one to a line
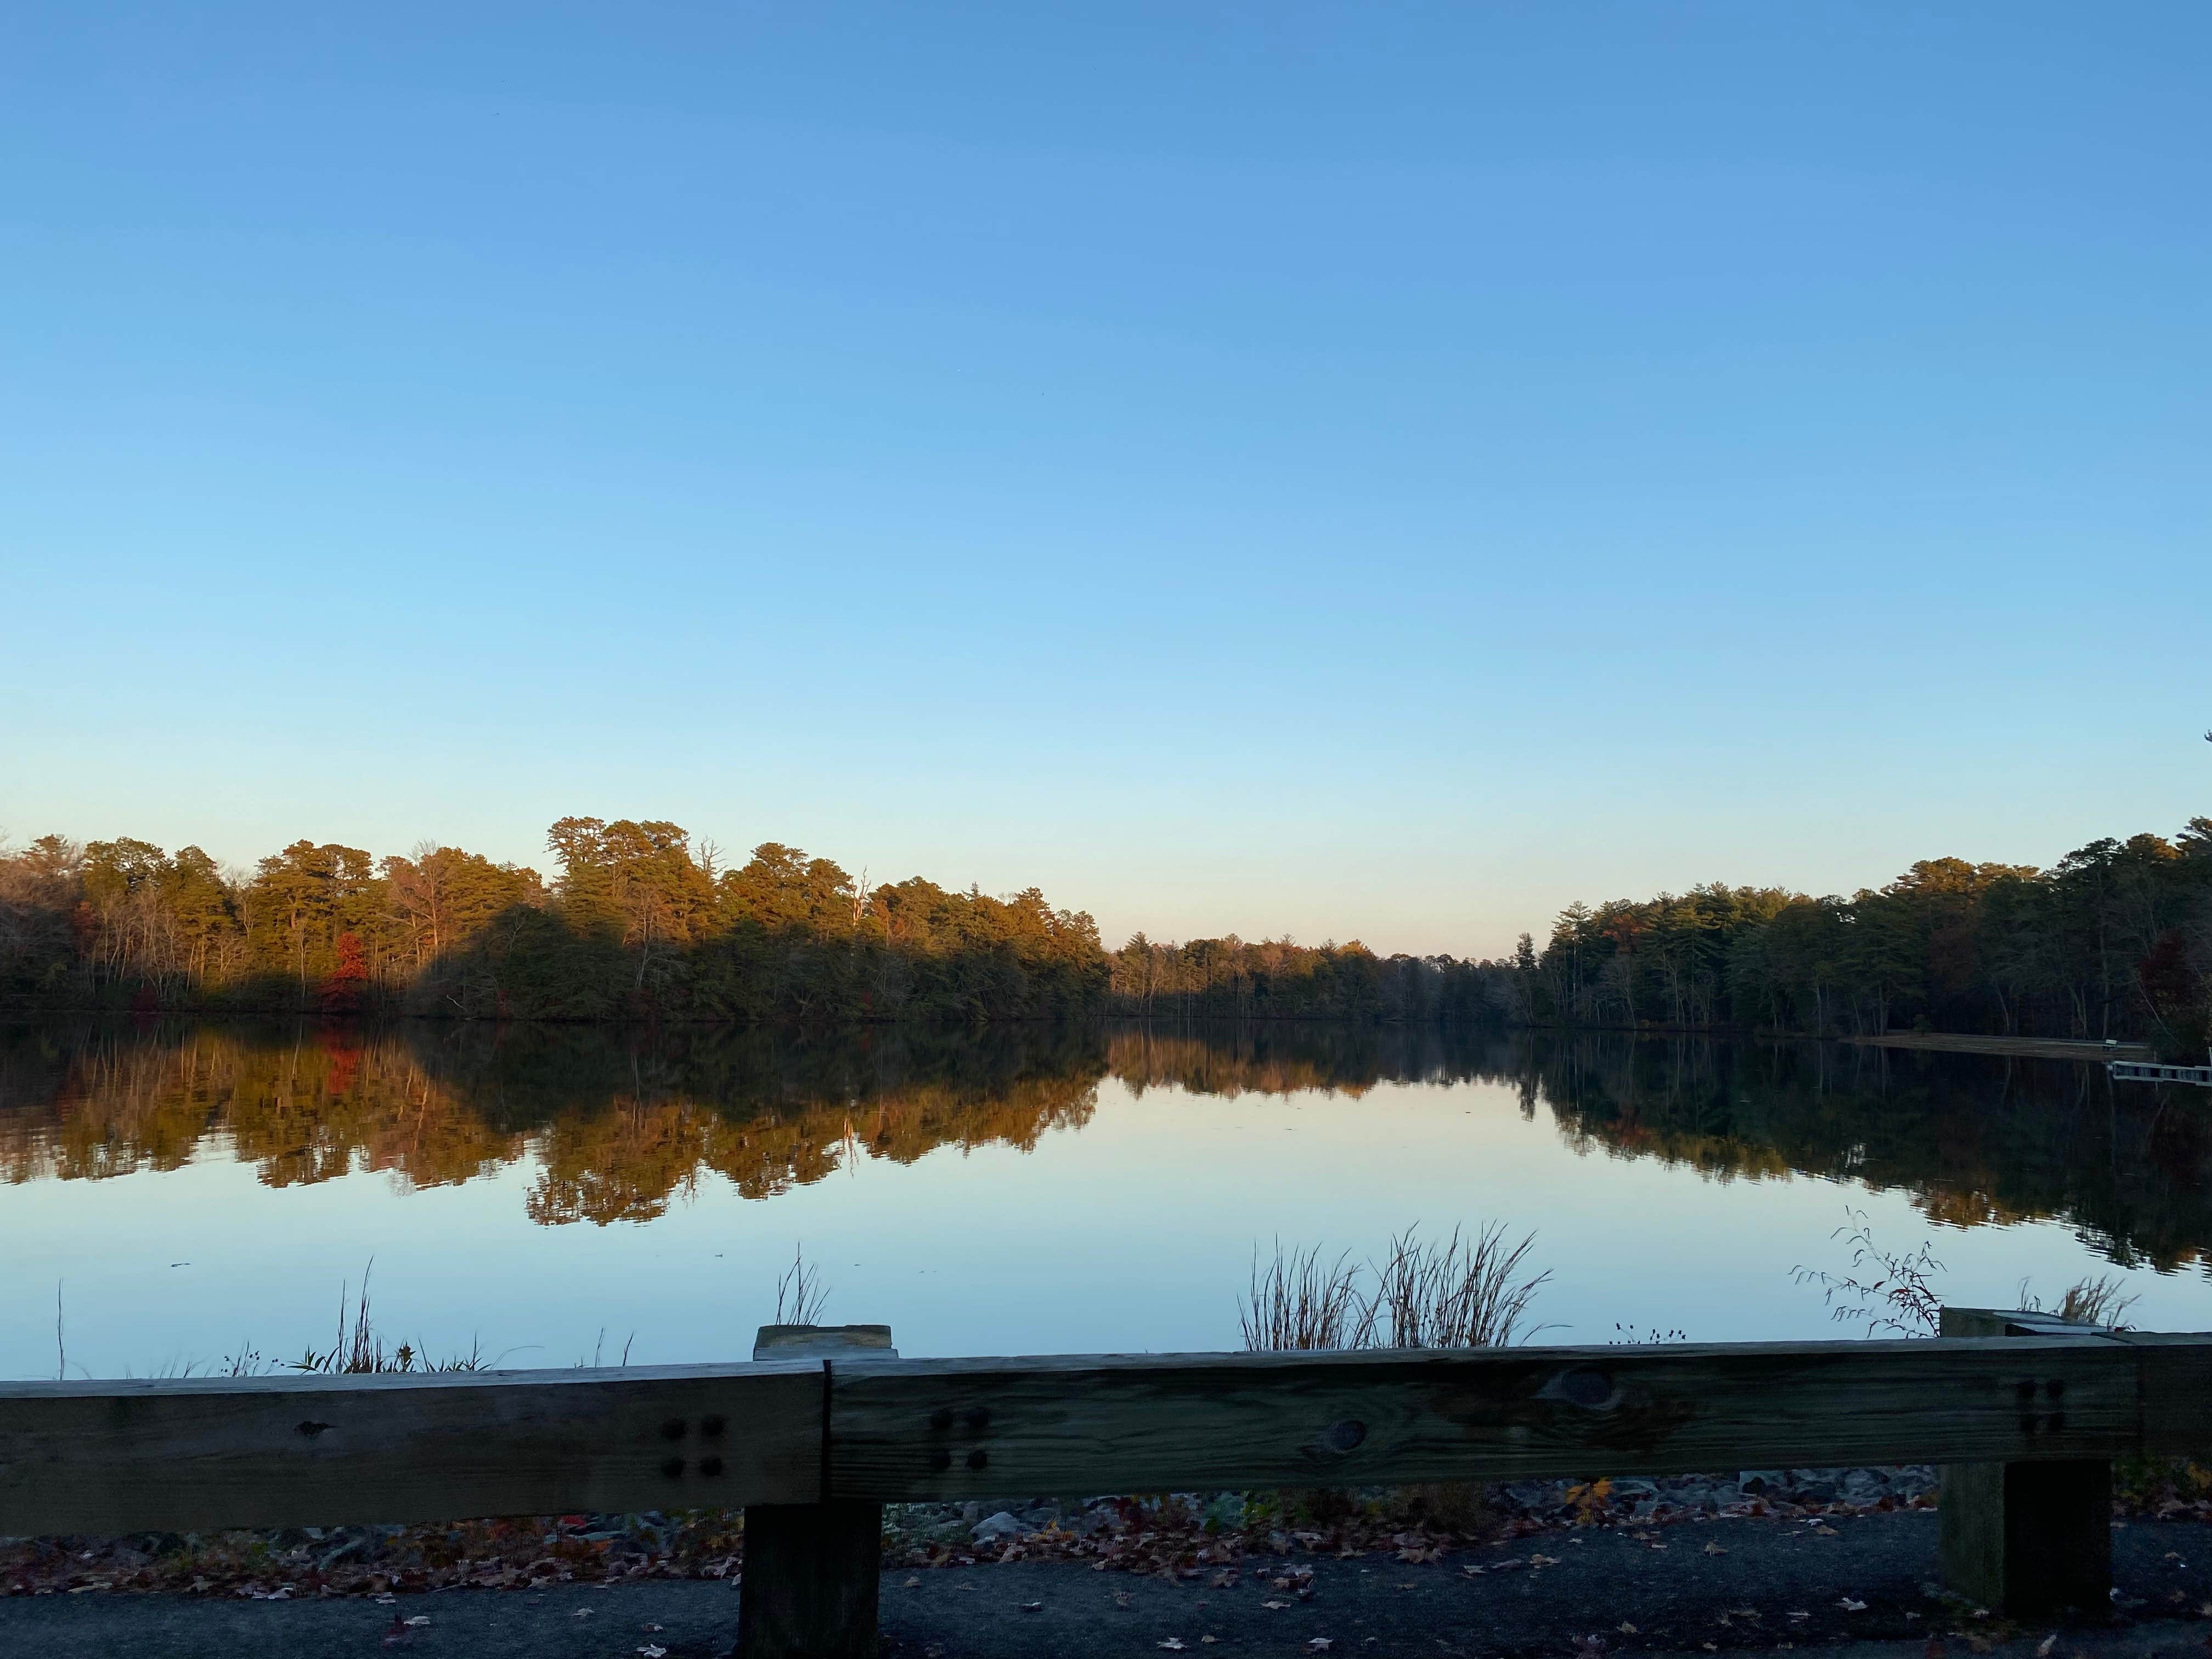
[618, 1124]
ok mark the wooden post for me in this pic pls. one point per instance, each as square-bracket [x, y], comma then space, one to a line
[811, 1569]
[2030, 1538]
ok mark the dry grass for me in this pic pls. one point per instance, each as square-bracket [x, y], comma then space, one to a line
[2098, 1301]
[1300, 1302]
[1463, 1291]
[800, 1295]
[359, 1347]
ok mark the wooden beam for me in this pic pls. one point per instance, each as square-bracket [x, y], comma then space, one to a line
[2031, 1538]
[823, 1341]
[813, 1570]
[1081, 1424]
[2177, 1391]
[203, 1453]
[191, 1454]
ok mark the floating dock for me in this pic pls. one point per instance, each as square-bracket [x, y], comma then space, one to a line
[2147, 1071]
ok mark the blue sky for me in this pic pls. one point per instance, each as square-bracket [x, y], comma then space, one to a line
[1378, 472]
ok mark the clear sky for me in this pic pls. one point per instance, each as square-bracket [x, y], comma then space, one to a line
[1349, 471]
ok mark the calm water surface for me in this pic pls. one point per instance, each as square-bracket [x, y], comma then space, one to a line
[193, 1189]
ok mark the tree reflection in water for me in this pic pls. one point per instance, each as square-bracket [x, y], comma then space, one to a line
[619, 1123]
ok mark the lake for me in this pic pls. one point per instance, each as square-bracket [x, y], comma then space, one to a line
[193, 1189]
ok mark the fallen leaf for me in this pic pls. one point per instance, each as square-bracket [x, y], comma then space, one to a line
[911, 1584]
[581, 1613]
[1031, 1606]
[1716, 1549]
[1173, 1644]
[1827, 1532]
[1625, 1628]
[1272, 1606]
[2043, 1648]
[652, 1650]
[418, 1621]
[1850, 1606]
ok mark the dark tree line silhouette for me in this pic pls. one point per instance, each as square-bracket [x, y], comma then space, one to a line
[2114, 940]
[641, 920]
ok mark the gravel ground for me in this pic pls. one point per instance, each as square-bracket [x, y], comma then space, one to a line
[1859, 1584]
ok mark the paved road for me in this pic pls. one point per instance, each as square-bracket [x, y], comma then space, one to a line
[1722, 1587]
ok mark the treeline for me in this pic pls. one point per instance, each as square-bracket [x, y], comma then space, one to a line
[641, 921]
[1227, 978]
[2115, 940]
[638, 921]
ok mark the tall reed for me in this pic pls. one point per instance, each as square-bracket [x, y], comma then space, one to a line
[800, 1295]
[361, 1348]
[1300, 1301]
[2098, 1301]
[1462, 1292]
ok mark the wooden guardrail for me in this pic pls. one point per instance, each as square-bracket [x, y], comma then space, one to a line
[812, 1441]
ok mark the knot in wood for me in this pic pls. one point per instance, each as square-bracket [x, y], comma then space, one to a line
[311, 1428]
[1586, 1386]
[1344, 1435]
